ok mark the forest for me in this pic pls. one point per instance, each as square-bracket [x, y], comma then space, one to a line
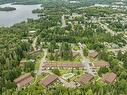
[53, 37]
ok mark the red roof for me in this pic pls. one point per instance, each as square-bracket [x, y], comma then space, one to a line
[85, 79]
[108, 77]
[64, 65]
[23, 80]
[49, 80]
[93, 54]
[101, 63]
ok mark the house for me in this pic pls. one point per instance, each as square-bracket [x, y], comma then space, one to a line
[73, 2]
[75, 53]
[85, 78]
[34, 52]
[32, 32]
[93, 54]
[23, 80]
[101, 63]
[74, 15]
[26, 61]
[108, 77]
[63, 65]
[23, 62]
[24, 40]
[50, 79]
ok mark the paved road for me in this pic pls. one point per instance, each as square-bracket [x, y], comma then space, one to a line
[40, 67]
[63, 21]
[43, 60]
[113, 33]
[34, 43]
[110, 31]
[72, 26]
[119, 49]
[107, 29]
[85, 61]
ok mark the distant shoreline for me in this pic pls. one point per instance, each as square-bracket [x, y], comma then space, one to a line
[24, 3]
[21, 3]
[7, 9]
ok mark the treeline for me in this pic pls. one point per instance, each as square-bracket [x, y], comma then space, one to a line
[7, 9]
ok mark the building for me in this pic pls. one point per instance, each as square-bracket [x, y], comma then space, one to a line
[23, 62]
[109, 77]
[24, 40]
[32, 32]
[50, 79]
[101, 63]
[85, 78]
[73, 2]
[75, 53]
[23, 80]
[74, 15]
[63, 65]
[93, 54]
[34, 52]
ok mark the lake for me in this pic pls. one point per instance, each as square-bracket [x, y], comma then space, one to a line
[21, 13]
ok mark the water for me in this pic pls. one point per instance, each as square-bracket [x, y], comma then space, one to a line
[22, 13]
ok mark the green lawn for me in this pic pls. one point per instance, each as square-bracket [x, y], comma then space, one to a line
[68, 75]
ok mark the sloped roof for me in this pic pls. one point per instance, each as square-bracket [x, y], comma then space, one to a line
[108, 77]
[93, 53]
[101, 63]
[49, 80]
[66, 65]
[85, 78]
[23, 80]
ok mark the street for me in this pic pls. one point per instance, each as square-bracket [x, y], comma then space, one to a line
[63, 21]
[85, 61]
[43, 60]
[34, 43]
